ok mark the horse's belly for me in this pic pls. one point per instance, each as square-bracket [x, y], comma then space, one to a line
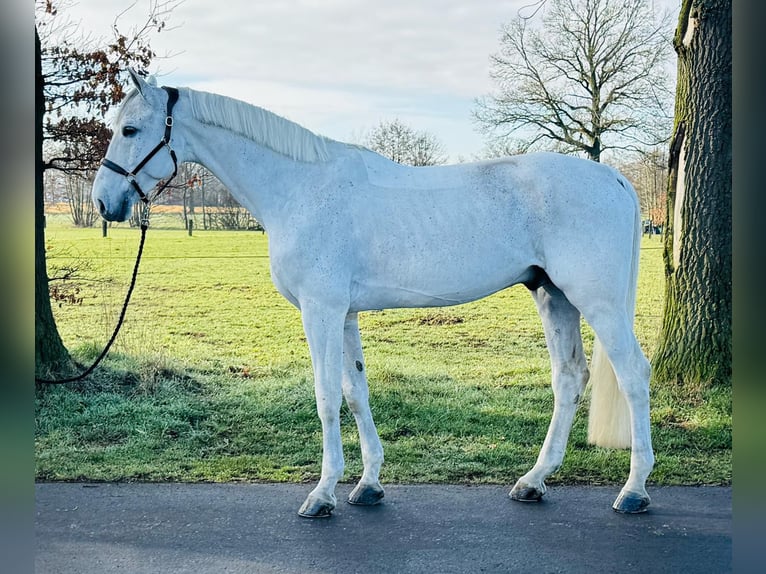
[433, 286]
[383, 297]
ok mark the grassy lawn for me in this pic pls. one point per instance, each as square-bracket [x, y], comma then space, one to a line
[210, 379]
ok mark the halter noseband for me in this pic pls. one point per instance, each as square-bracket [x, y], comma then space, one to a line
[164, 143]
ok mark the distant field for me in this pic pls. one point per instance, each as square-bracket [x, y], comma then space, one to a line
[63, 210]
[211, 380]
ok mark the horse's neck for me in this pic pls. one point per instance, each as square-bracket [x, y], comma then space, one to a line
[260, 179]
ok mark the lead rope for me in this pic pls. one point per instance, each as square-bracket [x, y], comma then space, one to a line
[89, 370]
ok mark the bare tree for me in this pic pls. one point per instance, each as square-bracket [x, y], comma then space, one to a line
[227, 213]
[402, 144]
[648, 173]
[189, 176]
[585, 78]
[81, 208]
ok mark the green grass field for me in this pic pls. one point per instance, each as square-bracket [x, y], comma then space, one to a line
[210, 379]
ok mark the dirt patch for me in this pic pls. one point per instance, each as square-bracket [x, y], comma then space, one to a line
[439, 319]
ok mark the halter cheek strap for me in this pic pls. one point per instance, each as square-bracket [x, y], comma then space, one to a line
[164, 143]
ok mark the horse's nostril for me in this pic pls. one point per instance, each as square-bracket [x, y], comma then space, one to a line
[101, 207]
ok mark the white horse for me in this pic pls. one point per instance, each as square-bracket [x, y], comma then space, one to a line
[351, 231]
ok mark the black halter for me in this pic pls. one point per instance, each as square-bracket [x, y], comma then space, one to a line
[164, 143]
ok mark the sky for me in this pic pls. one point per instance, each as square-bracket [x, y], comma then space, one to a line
[337, 67]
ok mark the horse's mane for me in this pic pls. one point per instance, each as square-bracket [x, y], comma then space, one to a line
[262, 126]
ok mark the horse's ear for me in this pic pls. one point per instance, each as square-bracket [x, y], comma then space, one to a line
[140, 84]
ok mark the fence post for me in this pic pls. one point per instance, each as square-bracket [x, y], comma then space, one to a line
[191, 226]
[103, 228]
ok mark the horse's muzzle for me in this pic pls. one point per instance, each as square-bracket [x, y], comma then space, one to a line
[121, 214]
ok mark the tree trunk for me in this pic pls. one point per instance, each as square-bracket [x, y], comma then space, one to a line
[51, 357]
[695, 342]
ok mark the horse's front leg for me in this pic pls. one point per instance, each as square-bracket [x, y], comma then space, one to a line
[324, 332]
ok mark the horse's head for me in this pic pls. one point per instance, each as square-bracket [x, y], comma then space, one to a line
[140, 154]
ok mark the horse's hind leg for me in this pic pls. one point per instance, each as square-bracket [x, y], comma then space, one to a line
[561, 323]
[632, 371]
[356, 393]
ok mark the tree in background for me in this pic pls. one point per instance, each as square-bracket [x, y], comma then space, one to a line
[77, 191]
[402, 144]
[76, 83]
[694, 349]
[648, 173]
[588, 78]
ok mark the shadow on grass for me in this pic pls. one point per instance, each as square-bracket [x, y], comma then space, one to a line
[152, 420]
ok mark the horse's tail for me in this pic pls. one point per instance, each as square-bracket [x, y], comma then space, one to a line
[609, 416]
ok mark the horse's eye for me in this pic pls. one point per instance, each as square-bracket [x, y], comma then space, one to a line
[128, 131]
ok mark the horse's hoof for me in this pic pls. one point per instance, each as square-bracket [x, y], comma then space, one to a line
[527, 493]
[631, 503]
[314, 508]
[366, 495]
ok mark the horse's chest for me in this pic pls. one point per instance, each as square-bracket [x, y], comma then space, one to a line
[309, 263]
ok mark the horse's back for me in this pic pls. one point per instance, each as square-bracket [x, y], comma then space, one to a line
[557, 200]
[542, 180]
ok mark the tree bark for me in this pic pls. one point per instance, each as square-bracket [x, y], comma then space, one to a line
[51, 357]
[694, 349]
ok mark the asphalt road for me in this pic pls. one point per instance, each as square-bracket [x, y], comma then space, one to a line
[254, 528]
